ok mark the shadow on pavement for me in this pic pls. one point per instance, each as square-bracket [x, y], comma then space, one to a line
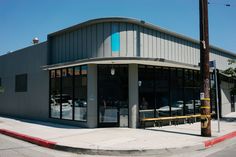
[174, 132]
[45, 123]
[50, 124]
[228, 119]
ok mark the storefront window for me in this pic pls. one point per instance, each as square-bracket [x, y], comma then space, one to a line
[176, 92]
[55, 95]
[146, 92]
[162, 92]
[162, 102]
[197, 102]
[197, 79]
[68, 93]
[188, 101]
[188, 78]
[162, 77]
[179, 76]
[177, 102]
[80, 95]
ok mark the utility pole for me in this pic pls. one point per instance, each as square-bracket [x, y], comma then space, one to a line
[204, 70]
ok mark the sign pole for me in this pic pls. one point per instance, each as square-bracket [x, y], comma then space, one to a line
[217, 100]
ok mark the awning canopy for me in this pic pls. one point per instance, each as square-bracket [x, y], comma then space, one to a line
[122, 60]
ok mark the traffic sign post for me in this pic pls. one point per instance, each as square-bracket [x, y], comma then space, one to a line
[213, 65]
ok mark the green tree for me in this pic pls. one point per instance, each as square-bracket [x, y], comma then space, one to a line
[231, 71]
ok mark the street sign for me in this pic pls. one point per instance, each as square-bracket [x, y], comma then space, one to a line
[212, 64]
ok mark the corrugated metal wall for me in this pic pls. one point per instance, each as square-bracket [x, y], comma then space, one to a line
[33, 103]
[95, 41]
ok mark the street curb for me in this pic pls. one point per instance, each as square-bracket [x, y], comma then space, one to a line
[134, 152]
[87, 151]
[212, 142]
[163, 151]
[31, 139]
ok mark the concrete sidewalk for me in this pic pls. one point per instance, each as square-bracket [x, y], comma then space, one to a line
[118, 139]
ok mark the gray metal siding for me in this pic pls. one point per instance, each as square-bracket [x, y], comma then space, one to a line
[89, 42]
[145, 42]
[136, 38]
[141, 41]
[75, 43]
[130, 40]
[61, 47]
[32, 104]
[100, 40]
[95, 41]
[84, 43]
[166, 46]
[80, 46]
[71, 47]
[123, 39]
[107, 39]
[154, 45]
[158, 36]
[66, 47]
[56, 50]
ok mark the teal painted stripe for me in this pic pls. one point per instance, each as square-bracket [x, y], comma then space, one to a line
[115, 39]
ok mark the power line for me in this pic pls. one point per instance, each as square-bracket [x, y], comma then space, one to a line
[222, 4]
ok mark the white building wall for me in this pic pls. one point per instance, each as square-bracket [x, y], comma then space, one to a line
[225, 97]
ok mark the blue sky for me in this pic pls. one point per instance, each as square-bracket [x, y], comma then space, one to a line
[22, 20]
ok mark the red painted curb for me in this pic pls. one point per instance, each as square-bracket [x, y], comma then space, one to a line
[214, 141]
[34, 140]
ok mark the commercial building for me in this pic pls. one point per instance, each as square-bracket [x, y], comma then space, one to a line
[110, 72]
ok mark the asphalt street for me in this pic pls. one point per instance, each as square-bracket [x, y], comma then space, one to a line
[224, 149]
[10, 147]
[229, 151]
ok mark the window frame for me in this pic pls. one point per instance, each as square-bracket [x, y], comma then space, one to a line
[73, 90]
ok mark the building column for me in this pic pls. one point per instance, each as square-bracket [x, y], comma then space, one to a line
[92, 96]
[133, 96]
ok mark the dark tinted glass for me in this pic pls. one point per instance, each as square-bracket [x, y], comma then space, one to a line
[146, 91]
[55, 94]
[67, 93]
[21, 83]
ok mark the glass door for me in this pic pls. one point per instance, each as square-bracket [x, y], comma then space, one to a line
[113, 96]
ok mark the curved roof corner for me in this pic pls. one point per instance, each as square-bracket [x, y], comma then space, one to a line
[134, 21]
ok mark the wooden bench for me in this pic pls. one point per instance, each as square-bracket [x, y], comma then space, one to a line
[175, 120]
